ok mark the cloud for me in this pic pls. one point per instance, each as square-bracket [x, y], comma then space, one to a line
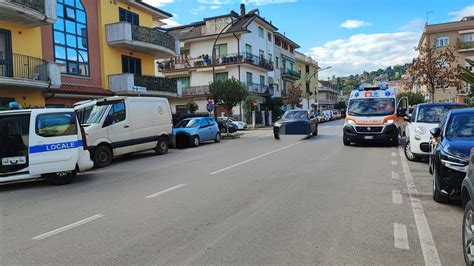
[267, 2]
[215, 2]
[158, 3]
[365, 52]
[197, 10]
[354, 24]
[415, 25]
[170, 23]
[458, 15]
[215, 7]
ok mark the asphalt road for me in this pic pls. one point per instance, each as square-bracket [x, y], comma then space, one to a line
[253, 200]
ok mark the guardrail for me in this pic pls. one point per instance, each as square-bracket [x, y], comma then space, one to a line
[152, 83]
[466, 45]
[154, 36]
[21, 66]
[196, 90]
[291, 73]
[258, 88]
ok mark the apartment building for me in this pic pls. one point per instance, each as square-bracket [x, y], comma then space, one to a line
[308, 69]
[327, 95]
[24, 74]
[244, 51]
[286, 74]
[459, 34]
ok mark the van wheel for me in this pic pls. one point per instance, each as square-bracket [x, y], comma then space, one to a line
[195, 141]
[162, 146]
[61, 178]
[102, 156]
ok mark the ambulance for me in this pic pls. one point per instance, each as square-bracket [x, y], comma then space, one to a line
[374, 114]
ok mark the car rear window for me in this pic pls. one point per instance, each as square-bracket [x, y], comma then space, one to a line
[56, 124]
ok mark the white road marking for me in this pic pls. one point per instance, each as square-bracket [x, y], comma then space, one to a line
[395, 175]
[397, 197]
[68, 227]
[254, 158]
[164, 191]
[394, 162]
[428, 246]
[400, 236]
[394, 154]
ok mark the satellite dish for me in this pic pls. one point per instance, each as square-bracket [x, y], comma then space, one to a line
[254, 10]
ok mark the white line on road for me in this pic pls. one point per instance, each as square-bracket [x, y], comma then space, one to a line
[428, 246]
[164, 191]
[394, 162]
[254, 158]
[395, 175]
[397, 197]
[67, 227]
[400, 236]
[394, 154]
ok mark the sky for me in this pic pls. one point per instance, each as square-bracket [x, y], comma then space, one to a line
[349, 35]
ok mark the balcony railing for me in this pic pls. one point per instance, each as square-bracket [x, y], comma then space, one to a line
[466, 45]
[37, 5]
[292, 74]
[130, 83]
[196, 90]
[141, 39]
[259, 89]
[152, 83]
[185, 63]
[25, 67]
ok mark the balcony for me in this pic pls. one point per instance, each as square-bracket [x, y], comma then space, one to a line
[289, 74]
[184, 63]
[17, 70]
[130, 84]
[466, 46]
[141, 39]
[263, 90]
[31, 13]
[196, 90]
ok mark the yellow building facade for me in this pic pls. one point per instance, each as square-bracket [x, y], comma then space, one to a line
[308, 82]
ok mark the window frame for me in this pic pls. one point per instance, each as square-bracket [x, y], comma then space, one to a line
[261, 32]
[73, 122]
[440, 41]
[135, 60]
[133, 15]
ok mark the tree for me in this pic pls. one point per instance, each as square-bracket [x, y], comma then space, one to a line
[468, 76]
[413, 97]
[435, 68]
[192, 107]
[228, 93]
[340, 105]
[294, 96]
[248, 104]
[351, 84]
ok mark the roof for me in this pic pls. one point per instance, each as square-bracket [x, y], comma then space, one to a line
[453, 26]
[327, 84]
[462, 111]
[287, 39]
[67, 88]
[194, 30]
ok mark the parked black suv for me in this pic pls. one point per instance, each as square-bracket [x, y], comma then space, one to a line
[452, 143]
[467, 193]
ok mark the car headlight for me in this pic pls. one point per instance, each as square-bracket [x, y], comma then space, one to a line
[389, 122]
[277, 124]
[420, 130]
[350, 122]
[453, 162]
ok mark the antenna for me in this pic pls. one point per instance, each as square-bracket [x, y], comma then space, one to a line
[427, 16]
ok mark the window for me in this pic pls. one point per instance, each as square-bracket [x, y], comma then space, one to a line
[181, 109]
[184, 81]
[308, 89]
[248, 49]
[260, 32]
[291, 49]
[307, 69]
[469, 37]
[221, 50]
[270, 56]
[56, 124]
[261, 54]
[117, 112]
[277, 62]
[129, 16]
[262, 80]
[70, 38]
[442, 41]
[269, 37]
[211, 121]
[203, 123]
[131, 65]
[249, 77]
[222, 76]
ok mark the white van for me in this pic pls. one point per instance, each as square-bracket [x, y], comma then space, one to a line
[47, 143]
[122, 125]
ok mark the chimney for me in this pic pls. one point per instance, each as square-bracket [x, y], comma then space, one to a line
[242, 9]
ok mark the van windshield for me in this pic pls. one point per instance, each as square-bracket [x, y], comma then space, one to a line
[96, 114]
[371, 107]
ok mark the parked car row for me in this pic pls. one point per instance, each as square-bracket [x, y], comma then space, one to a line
[55, 144]
[444, 134]
[328, 115]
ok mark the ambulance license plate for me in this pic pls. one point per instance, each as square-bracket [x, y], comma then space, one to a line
[14, 160]
[368, 137]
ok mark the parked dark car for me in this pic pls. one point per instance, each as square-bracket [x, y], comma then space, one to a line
[450, 153]
[296, 122]
[467, 194]
[223, 127]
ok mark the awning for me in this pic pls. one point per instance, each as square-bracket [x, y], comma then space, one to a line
[287, 58]
[80, 89]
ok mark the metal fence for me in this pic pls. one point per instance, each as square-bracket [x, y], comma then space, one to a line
[153, 83]
[23, 67]
[154, 36]
[196, 90]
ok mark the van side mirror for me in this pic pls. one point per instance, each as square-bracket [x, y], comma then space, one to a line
[402, 112]
[436, 132]
[407, 119]
[109, 120]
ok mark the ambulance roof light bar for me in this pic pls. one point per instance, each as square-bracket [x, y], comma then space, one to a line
[371, 87]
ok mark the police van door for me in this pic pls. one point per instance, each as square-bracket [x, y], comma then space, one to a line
[54, 141]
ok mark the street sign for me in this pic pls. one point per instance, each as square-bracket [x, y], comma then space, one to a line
[254, 104]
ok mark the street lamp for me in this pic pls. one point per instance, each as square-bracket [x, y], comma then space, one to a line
[312, 76]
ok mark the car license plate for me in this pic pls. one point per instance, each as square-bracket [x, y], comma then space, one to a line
[368, 137]
[14, 160]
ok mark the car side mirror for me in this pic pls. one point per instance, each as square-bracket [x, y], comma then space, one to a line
[436, 132]
[401, 112]
[407, 119]
[279, 117]
[109, 120]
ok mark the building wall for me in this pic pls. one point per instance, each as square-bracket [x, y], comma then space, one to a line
[199, 48]
[257, 42]
[25, 41]
[112, 57]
